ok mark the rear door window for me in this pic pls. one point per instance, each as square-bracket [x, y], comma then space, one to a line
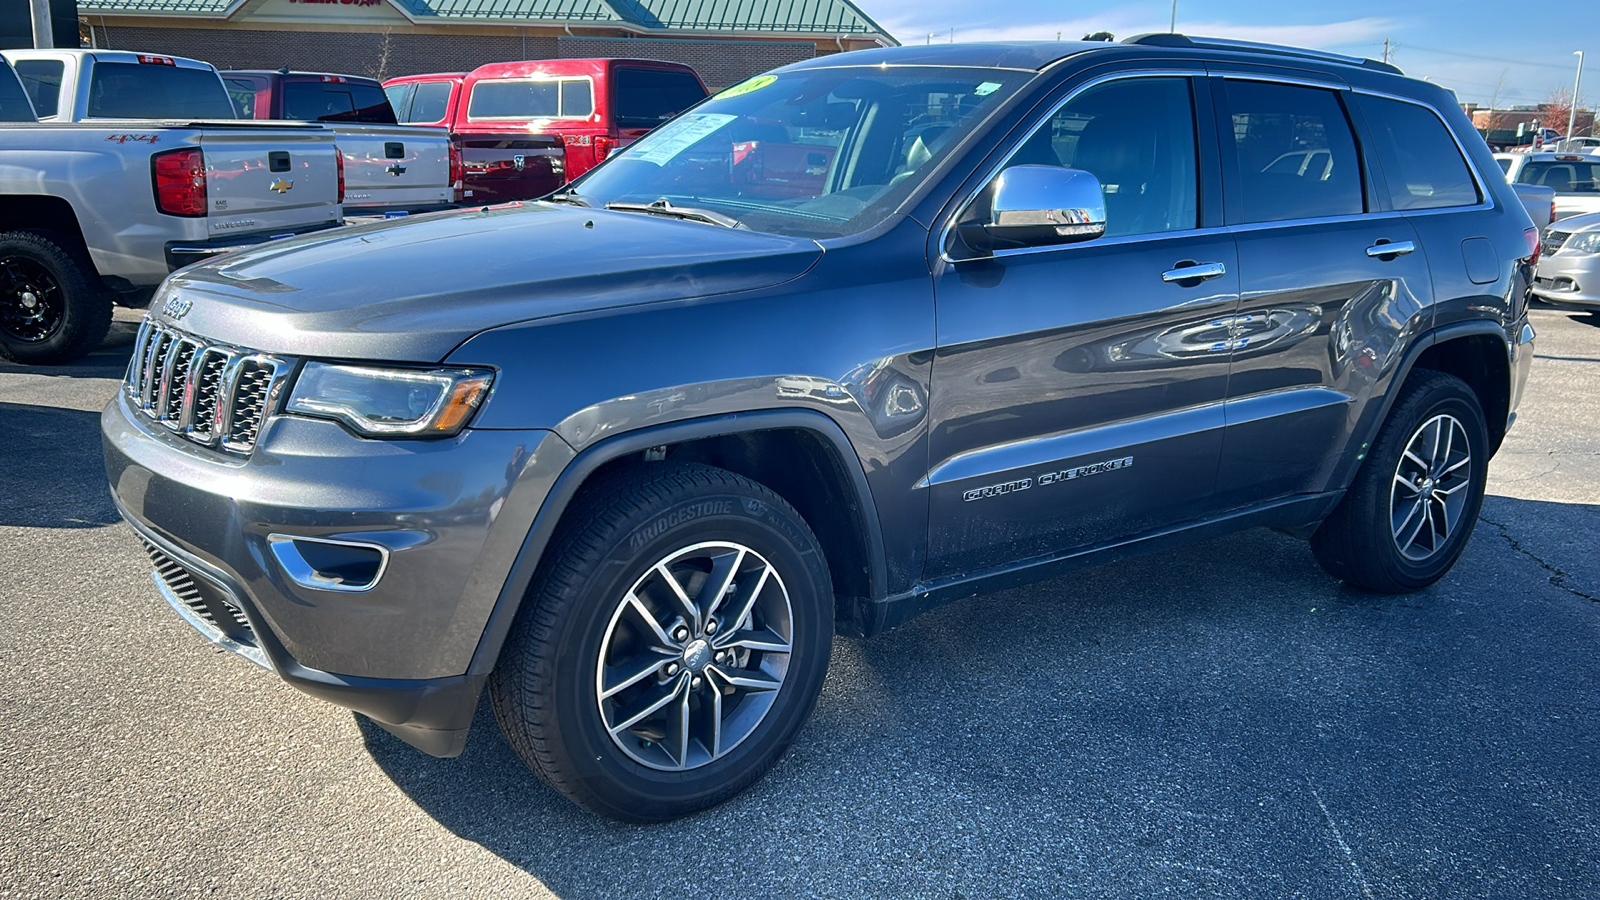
[1565, 176]
[431, 102]
[14, 105]
[156, 91]
[1293, 153]
[328, 101]
[41, 78]
[644, 98]
[400, 100]
[242, 91]
[1421, 162]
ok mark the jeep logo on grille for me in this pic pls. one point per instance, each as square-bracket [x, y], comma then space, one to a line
[176, 307]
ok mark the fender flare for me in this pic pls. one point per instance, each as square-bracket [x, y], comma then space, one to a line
[1354, 453]
[554, 507]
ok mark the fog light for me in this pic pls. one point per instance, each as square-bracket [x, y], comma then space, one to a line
[325, 564]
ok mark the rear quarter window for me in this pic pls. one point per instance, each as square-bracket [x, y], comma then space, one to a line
[1420, 160]
[156, 91]
[41, 78]
[644, 98]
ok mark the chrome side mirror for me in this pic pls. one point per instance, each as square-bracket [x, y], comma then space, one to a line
[1033, 206]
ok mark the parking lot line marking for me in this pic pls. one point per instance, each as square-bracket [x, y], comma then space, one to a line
[1361, 879]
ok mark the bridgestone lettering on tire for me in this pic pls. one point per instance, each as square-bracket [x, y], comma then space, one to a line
[672, 644]
[1413, 505]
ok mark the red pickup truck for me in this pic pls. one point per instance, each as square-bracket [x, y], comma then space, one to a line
[525, 128]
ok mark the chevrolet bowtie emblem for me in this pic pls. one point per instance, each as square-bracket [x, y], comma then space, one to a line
[281, 186]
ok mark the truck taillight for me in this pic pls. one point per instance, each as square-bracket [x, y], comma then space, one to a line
[1531, 236]
[458, 171]
[179, 178]
[602, 148]
[338, 157]
[150, 60]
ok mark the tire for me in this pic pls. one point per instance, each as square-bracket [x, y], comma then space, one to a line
[1388, 536]
[53, 309]
[622, 540]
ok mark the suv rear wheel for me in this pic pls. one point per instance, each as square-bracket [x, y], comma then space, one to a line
[672, 647]
[1415, 501]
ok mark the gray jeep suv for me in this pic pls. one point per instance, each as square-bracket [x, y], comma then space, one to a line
[860, 336]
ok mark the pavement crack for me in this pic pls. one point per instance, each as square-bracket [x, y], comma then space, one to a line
[1349, 855]
[1557, 575]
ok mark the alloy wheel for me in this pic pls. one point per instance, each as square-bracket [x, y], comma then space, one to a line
[694, 656]
[1430, 487]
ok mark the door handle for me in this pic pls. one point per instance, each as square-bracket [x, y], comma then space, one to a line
[1194, 272]
[1390, 249]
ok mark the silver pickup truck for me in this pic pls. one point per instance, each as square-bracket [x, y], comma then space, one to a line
[388, 168]
[99, 211]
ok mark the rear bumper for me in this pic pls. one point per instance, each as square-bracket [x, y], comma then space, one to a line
[183, 253]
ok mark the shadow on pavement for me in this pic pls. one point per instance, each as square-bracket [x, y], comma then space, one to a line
[52, 474]
[1200, 715]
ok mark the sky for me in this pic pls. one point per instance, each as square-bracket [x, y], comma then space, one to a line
[1469, 46]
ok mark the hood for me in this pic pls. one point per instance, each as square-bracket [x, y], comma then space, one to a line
[412, 289]
[1586, 222]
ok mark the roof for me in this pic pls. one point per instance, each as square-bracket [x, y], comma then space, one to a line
[830, 18]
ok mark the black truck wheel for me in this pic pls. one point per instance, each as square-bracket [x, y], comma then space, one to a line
[1413, 505]
[672, 644]
[53, 308]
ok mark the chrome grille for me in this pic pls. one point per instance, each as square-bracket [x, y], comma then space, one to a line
[212, 394]
[1553, 241]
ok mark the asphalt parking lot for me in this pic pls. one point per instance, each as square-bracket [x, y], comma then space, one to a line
[1219, 721]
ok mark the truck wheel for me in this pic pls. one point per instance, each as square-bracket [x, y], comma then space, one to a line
[1415, 500]
[672, 644]
[52, 307]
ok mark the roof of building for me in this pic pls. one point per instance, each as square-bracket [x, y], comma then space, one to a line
[841, 18]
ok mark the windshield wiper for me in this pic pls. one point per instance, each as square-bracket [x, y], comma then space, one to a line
[568, 197]
[664, 207]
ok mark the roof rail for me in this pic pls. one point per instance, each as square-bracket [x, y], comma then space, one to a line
[1205, 43]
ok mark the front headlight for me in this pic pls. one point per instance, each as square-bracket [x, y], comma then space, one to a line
[1588, 242]
[384, 402]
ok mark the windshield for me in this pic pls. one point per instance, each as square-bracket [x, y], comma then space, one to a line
[813, 153]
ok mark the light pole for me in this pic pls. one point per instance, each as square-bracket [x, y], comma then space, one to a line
[1572, 114]
[42, 38]
[1172, 28]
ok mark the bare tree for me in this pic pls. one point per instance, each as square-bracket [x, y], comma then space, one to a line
[380, 69]
[1555, 109]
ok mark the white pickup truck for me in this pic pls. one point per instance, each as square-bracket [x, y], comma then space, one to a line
[388, 168]
[104, 209]
[1575, 178]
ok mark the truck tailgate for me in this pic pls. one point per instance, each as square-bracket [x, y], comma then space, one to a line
[501, 167]
[260, 178]
[394, 166]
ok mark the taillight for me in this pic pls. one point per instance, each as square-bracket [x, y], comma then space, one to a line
[338, 157]
[1531, 236]
[603, 147]
[458, 170]
[179, 177]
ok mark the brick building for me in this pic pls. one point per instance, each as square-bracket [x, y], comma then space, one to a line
[726, 40]
[1546, 114]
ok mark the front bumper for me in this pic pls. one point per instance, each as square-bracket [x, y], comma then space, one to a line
[452, 515]
[1569, 280]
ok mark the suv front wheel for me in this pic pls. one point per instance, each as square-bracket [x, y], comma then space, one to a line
[673, 643]
[1415, 500]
